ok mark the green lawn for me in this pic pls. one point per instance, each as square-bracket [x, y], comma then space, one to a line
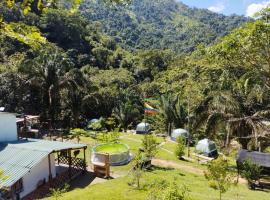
[118, 189]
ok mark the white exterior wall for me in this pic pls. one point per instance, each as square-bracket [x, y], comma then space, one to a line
[39, 172]
[8, 127]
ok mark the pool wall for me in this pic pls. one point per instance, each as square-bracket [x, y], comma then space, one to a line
[115, 158]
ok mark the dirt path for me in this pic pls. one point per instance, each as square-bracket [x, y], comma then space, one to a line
[187, 168]
[175, 165]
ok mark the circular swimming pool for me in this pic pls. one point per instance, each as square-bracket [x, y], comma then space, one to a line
[119, 153]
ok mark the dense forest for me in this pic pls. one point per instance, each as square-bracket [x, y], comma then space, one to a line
[200, 69]
[162, 24]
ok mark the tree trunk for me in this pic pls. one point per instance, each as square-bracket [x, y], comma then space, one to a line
[244, 142]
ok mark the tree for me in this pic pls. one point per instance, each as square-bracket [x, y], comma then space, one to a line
[181, 146]
[219, 175]
[127, 108]
[48, 71]
[173, 111]
[149, 145]
[137, 170]
[239, 108]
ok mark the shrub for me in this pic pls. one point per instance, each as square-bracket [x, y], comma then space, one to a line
[181, 147]
[149, 145]
[163, 190]
[77, 132]
[250, 171]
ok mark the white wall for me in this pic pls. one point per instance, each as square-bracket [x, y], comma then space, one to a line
[39, 172]
[8, 127]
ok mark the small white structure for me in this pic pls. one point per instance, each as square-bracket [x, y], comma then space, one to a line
[8, 127]
[207, 148]
[179, 133]
[29, 164]
[143, 128]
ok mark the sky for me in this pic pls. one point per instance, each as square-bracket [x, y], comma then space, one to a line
[228, 7]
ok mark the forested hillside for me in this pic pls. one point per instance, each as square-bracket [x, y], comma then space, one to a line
[68, 69]
[159, 24]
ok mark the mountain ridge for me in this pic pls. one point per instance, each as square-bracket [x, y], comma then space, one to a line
[162, 24]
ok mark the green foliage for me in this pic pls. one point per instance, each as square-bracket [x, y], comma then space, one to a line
[162, 190]
[28, 35]
[137, 170]
[2, 178]
[108, 137]
[250, 171]
[149, 145]
[77, 132]
[127, 108]
[219, 175]
[57, 193]
[173, 110]
[163, 24]
[181, 147]
[98, 125]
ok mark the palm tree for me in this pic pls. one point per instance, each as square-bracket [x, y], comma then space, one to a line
[241, 109]
[173, 110]
[48, 71]
[127, 108]
[73, 85]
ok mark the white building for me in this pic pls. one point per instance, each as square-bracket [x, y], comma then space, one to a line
[31, 164]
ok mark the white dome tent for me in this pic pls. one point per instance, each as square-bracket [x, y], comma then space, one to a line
[207, 148]
[179, 133]
[143, 128]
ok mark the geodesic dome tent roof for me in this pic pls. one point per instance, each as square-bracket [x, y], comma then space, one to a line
[93, 121]
[179, 132]
[143, 127]
[206, 146]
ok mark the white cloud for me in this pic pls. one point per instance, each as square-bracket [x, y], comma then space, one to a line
[256, 7]
[217, 8]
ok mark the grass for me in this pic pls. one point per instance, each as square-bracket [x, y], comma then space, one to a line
[111, 148]
[119, 189]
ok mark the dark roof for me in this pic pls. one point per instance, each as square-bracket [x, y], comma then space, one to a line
[261, 159]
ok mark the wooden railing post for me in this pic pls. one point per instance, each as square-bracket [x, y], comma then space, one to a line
[84, 159]
[50, 169]
[69, 164]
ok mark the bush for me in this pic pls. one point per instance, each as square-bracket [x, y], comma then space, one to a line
[77, 132]
[149, 145]
[108, 137]
[181, 147]
[250, 171]
[164, 190]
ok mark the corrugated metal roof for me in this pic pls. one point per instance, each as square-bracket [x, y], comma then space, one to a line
[44, 145]
[18, 158]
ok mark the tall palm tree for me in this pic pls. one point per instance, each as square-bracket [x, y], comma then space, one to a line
[241, 109]
[127, 108]
[173, 111]
[48, 72]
